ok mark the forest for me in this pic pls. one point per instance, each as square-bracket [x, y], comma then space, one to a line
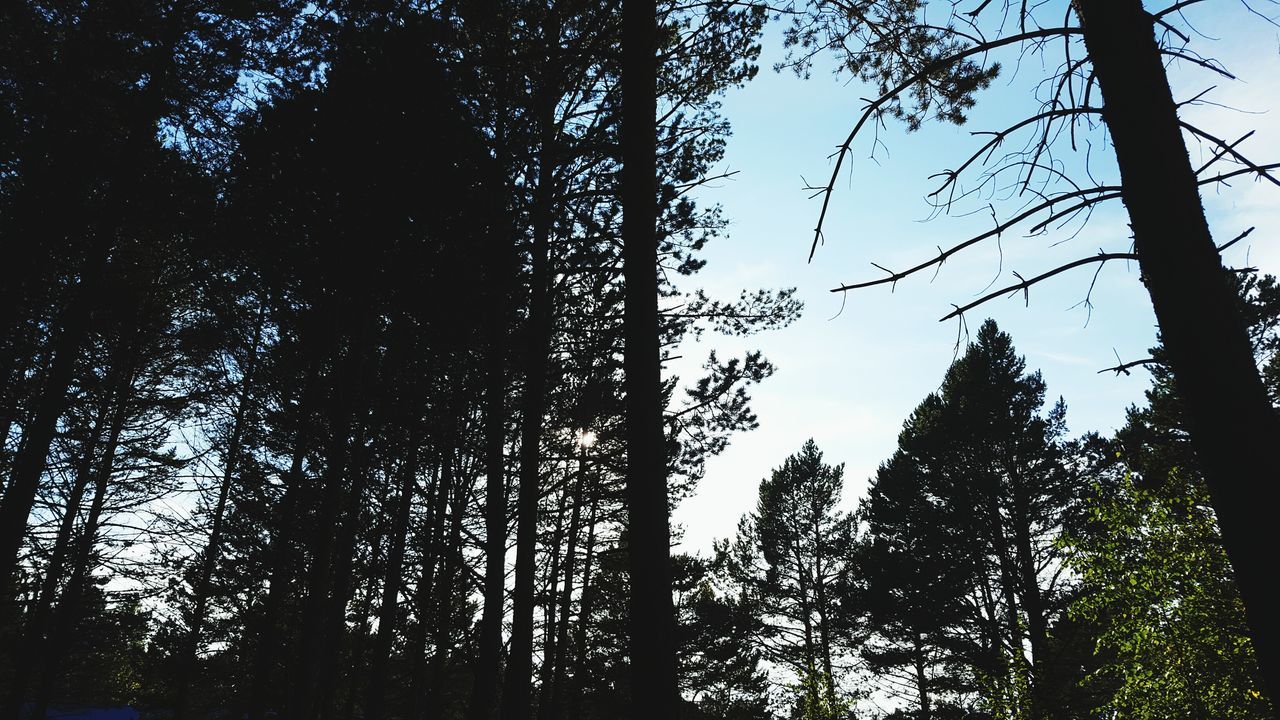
[343, 375]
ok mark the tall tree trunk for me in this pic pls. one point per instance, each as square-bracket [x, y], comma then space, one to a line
[34, 636]
[266, 654]
[69, 608]
[342, 585]
[922, 680]
[549, 606]
[820, 600]
[214, 546]
[450, 559]
[1231, 420]
[432, 554]
[1032, 599]
[484, 690]
[806, 617]
[584, 610]
[994, 526]
[654, 690]
[306, 692]
[29, 461]
[555, 704]
[377, 687]
[516, 692]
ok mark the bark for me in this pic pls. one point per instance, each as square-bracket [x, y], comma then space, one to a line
[484, 690]
[1230, 418]
[1032, 598]
[549, 607]
[820, 598]
[266, 654]
[654, 691]
[450, 560]
[922, 680]
[34, 635]
[342, 586]
[806, 618]
[584, 611]
[432, 553]
[306, 691]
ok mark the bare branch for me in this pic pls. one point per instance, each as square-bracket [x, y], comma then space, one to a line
[1105, 192]
[1124, 367]
[1235, 240]
[1230, 150]
[878, 103]
[1025, 285]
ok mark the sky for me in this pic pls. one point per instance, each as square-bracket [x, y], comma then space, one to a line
[856, 364]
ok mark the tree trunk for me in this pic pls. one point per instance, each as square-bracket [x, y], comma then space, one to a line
[306, 691]
[214, 546]
[554, 709]
[29, 461]
[584, 611]
[654, 690]
[484, 690]
[922, 680]
[377, 688]
[806, 618]
[516, 692]
[450, 559]
[266, 653]
[342, 586]
[549, 606]
[68, 614]
[1032, 599]
[432, 553]
[37, 626]
[820, 597]
[1231, 420]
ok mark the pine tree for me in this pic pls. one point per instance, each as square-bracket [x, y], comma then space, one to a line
[790, 557]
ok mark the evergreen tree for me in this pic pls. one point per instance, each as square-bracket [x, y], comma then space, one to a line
[979, 491]
[789, 557]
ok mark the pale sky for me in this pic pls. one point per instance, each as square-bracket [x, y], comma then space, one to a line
[852, 368]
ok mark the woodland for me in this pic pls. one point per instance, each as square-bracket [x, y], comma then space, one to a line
[335, 377]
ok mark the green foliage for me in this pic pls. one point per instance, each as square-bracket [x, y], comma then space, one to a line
[1158, 585]
[892, 43]
[812, 701]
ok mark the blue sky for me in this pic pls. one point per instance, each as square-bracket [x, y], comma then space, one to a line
[852, 368]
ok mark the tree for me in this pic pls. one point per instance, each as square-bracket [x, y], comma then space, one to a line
[654, 691]
[934, 64]
[790, 557]
[975, 500]
[911, 570]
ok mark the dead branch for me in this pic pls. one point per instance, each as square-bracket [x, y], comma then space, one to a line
[1230, 150]
[1105, 192]
[1025, 285]
[875, 105]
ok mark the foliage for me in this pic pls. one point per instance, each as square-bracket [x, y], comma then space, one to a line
[1158, 584]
